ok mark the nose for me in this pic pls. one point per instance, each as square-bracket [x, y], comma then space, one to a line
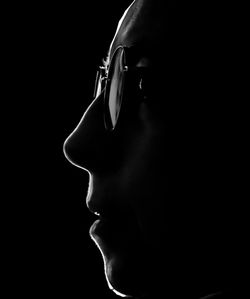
[87, 146]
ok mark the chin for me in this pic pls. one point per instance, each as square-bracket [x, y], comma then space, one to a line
[132, 267]
[126, 276]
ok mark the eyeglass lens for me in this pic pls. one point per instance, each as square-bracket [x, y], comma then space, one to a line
[115, 90]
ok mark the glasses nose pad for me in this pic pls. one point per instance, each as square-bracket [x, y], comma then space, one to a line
[100, 81]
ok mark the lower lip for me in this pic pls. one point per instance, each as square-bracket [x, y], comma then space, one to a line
[94, 228]
[102, 233]
[103, 228]
[111, 232]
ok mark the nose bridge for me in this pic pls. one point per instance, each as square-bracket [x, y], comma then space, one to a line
[85, 146]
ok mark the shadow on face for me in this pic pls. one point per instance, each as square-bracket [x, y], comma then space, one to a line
[163, 181]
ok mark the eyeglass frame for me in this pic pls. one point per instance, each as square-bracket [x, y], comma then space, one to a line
[103, 82]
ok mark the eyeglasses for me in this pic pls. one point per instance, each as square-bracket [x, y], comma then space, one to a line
[114, 83]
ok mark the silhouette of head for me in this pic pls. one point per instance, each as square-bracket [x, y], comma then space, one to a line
[155, 152]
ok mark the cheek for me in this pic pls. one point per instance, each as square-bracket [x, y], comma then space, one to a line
[143, 175]
[144, 167]
[145, 159]
[144, 184]
[145, 149]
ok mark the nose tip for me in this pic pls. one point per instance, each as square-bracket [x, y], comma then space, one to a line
[68, 150]
[65, 150]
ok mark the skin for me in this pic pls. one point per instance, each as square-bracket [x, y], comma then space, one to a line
[157, 170]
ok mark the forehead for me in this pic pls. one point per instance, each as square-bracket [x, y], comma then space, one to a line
[144, 23]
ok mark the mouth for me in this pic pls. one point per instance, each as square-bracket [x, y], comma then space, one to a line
[97, 228]
[113, 233]
[108, 228]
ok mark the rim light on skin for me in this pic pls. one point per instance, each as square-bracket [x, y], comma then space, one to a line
[106, 270]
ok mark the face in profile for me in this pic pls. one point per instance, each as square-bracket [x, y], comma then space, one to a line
[149, 184]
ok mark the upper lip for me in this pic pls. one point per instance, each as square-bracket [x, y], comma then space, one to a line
[113, 215]
[108, 208]
[111, 212]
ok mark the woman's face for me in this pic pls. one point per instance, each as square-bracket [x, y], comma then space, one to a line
[147, 233]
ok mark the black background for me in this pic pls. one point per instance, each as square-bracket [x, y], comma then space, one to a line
[52, 51]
